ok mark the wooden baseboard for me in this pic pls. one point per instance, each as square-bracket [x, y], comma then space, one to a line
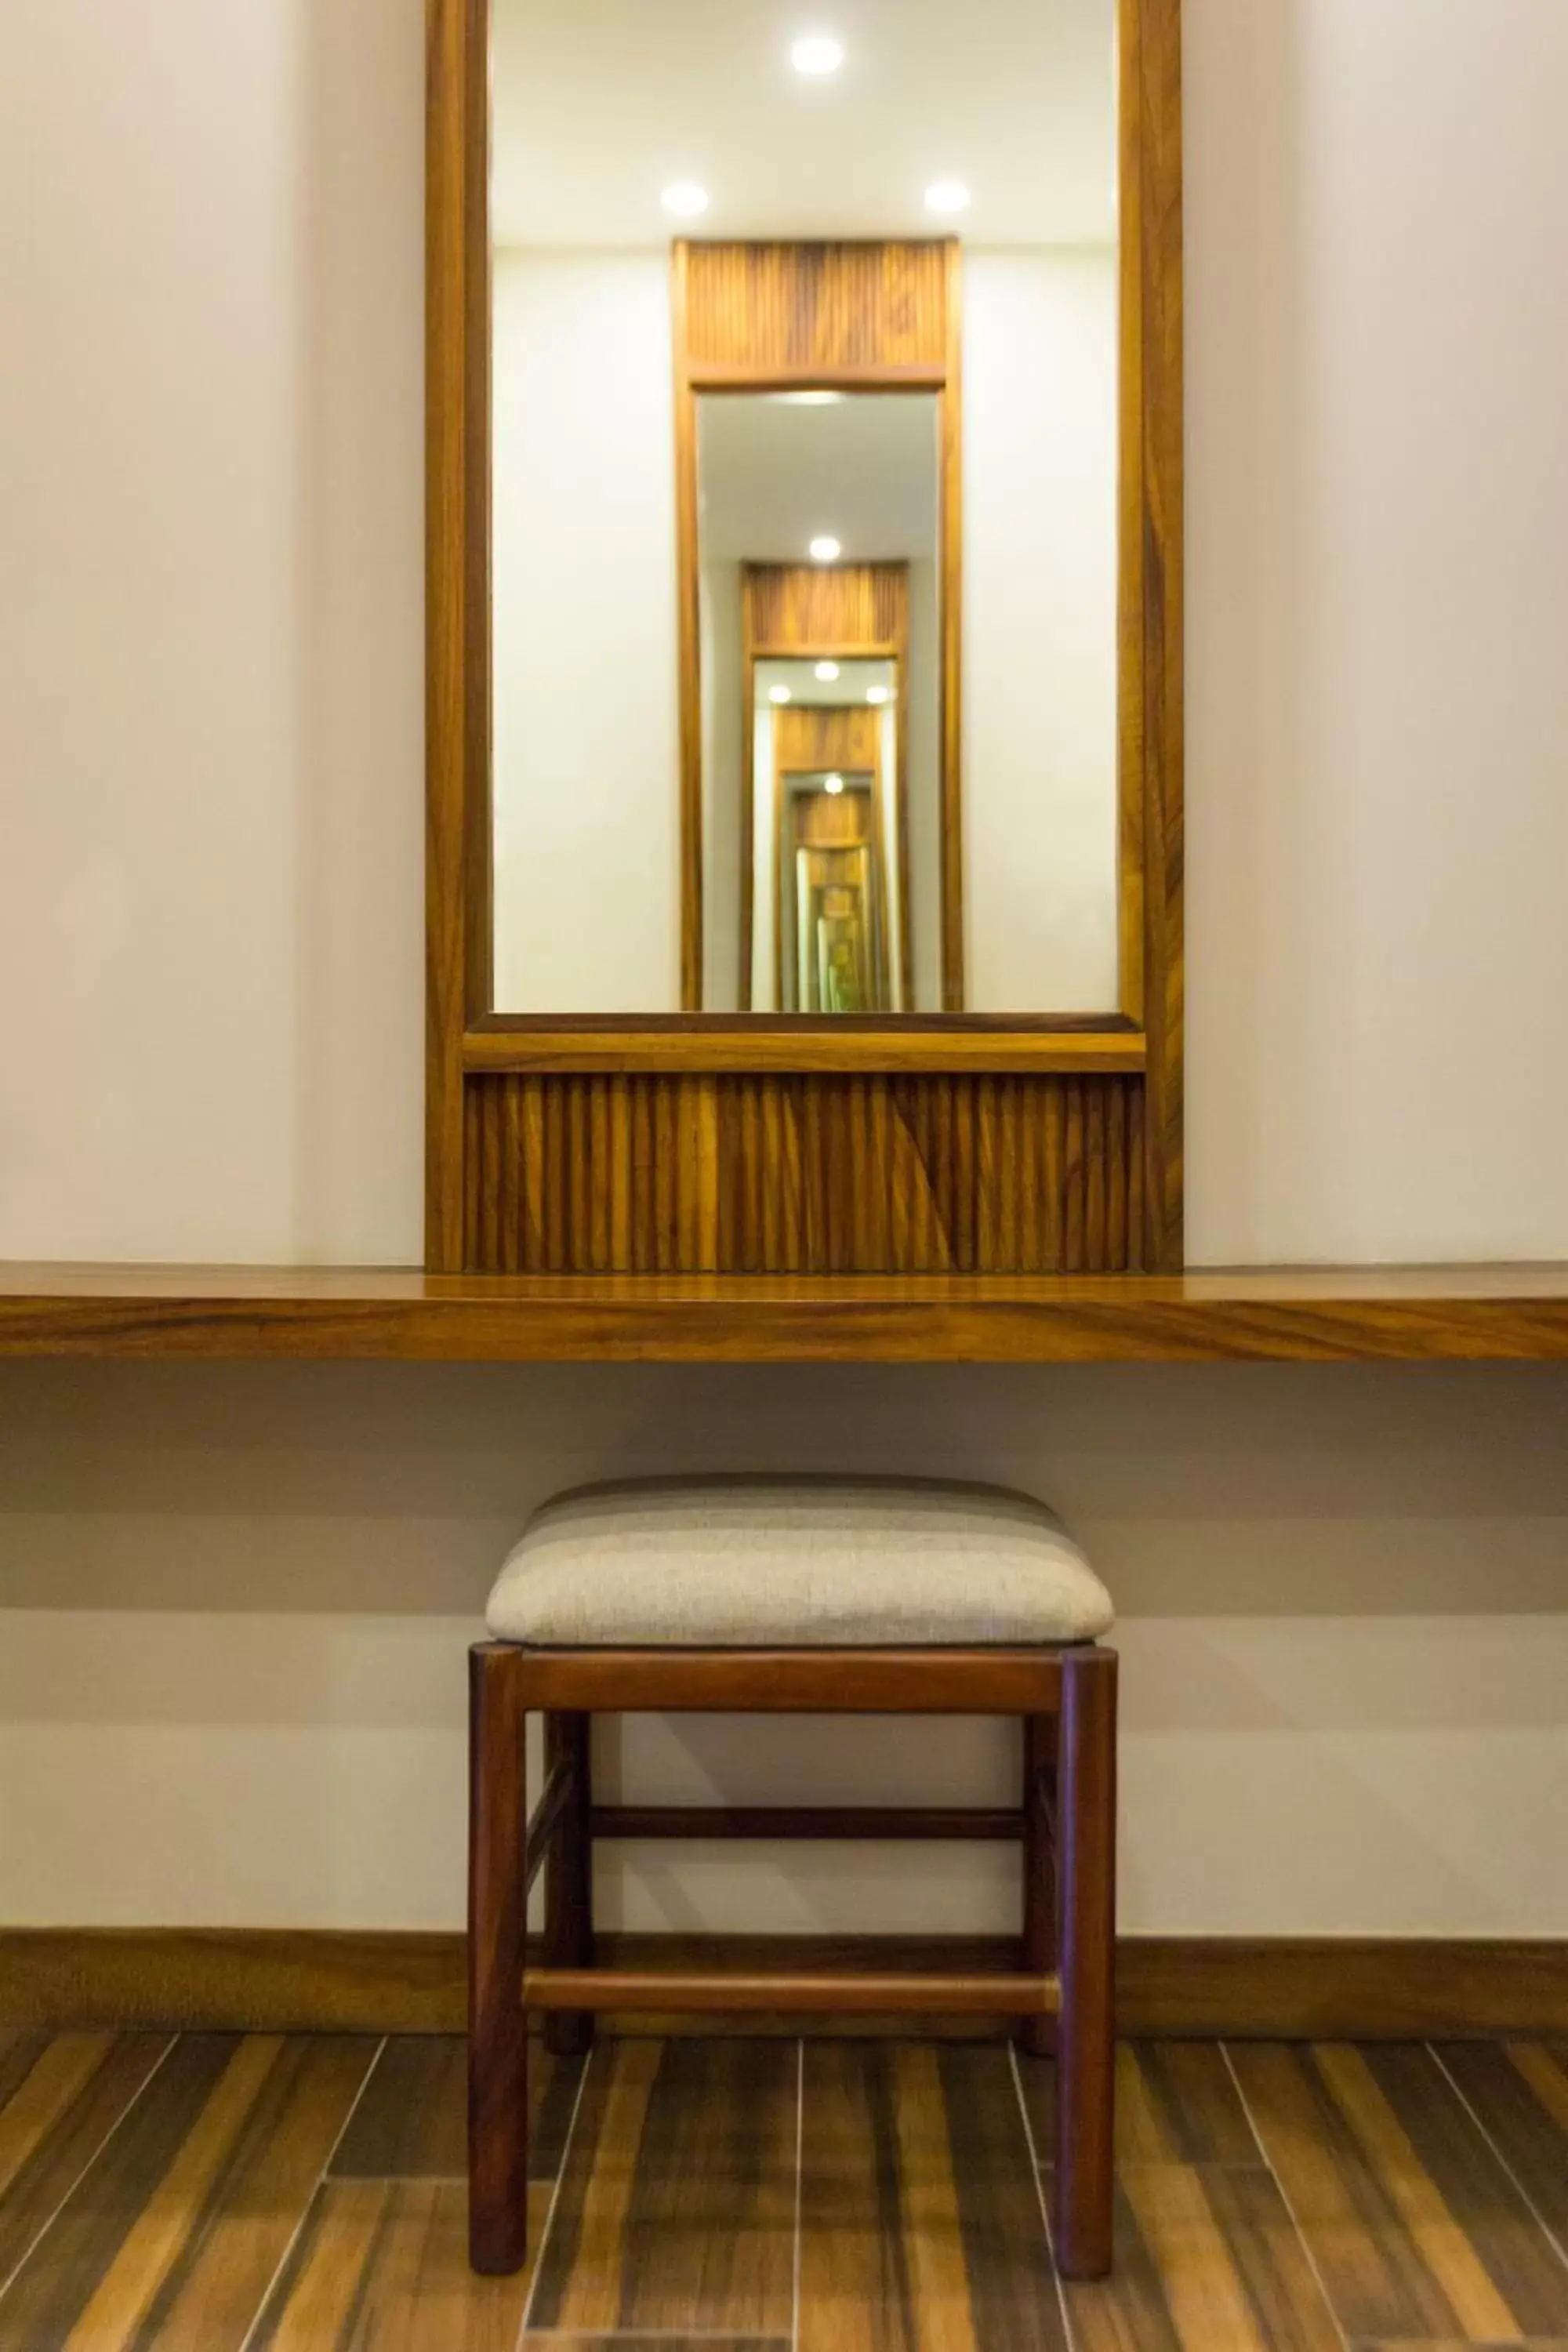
[264, 1980]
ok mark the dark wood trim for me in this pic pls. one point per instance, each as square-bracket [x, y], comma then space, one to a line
[808, 1991]
[1324, 1315]
[950, 636]
[793, 1682]
[457, 592]
[764, 1044]
[1086, 1927]
[886, 1824]
[1150, 593]
[375, 1981]
[730, 375]
[688, 625]
[545, 1820]
[497, 1905]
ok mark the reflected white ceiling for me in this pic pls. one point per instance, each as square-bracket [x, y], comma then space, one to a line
[601, 104]
[773, 476]
[804, 686]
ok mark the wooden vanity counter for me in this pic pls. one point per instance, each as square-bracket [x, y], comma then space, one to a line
[1451, 1314]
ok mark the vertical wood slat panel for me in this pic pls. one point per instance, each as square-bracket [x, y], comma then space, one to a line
[802, 1175]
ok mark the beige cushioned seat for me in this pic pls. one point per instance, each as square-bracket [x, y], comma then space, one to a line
[766, 1563]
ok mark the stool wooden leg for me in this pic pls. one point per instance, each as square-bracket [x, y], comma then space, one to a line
[1086, 2053]
[498, 2031]
[1039, 1871]
[569, 1880]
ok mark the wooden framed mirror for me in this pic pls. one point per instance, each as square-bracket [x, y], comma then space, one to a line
[804, 638]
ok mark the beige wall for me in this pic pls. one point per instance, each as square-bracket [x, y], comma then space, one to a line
[1039, 630]
[229, 1668]
[587, 799]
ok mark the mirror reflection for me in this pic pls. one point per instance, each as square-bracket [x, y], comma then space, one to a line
[803, 362]
[817, 665]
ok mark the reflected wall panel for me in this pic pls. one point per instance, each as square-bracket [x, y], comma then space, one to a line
[875, 306]
[804, 1175]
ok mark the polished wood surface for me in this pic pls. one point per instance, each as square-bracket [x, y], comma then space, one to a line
[1085, 1818]
[687, 2187]
[1150, 595]
[760, 317]
[808, 1991]
[796, 1175]
[1490, 1314]
[1415, 2223]
[497, 1905]
[1070, 1980]
[803, 313]
[848, 1043]
[101, 1980]
[678, 2203]
[919, 2223]
[458, 852]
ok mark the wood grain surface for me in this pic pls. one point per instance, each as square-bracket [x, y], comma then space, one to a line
[1504, 1314]
[745, 2198]
[739, 1178]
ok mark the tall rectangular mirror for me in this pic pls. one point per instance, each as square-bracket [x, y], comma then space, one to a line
[805, 709]
[803, 511]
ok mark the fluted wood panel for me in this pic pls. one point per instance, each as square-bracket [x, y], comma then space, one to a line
[792, 608]
[756, 307]
[800, 1175]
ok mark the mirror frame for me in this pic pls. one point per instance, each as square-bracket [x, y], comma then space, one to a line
[699, 1142]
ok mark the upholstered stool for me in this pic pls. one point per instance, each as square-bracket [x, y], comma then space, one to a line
[804, 1597]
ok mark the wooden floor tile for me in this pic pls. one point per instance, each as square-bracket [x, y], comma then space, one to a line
[1177, 2103]
[1413, 2223]
[61, 2098]
[383, 2266]
[921, 2217]
[411, 2122]
[1207, 2259]
[676, 2209]
[171, 2234]
[1519, 2093]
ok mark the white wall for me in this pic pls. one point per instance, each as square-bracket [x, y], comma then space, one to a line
[230, 1679]
[1039, 630]
[720, 585]
[587, 798]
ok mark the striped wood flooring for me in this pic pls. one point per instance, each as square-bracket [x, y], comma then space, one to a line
[214, 2193]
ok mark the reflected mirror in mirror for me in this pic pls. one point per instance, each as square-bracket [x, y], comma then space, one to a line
[817, 665]
[803, 362]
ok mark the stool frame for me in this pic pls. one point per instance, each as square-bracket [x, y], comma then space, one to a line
[1063, 1993]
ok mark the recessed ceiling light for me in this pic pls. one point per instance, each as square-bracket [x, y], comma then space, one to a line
[875, 694]
[947, 196]
[816, 53]
[809, 399]
[826, 550]
[827, 672]
[833, 783]
[778, 693]
[684, 199]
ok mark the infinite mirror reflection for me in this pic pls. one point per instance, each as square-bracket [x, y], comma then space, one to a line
[803, 507]
[821, 699]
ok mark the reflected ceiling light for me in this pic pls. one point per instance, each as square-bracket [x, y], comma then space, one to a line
[809, 399]
[877, 694]
[778, 693]
[947, 196]
[684, 199]
[827, 672]
[816, 53]
[833, 784]
[826, 548]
